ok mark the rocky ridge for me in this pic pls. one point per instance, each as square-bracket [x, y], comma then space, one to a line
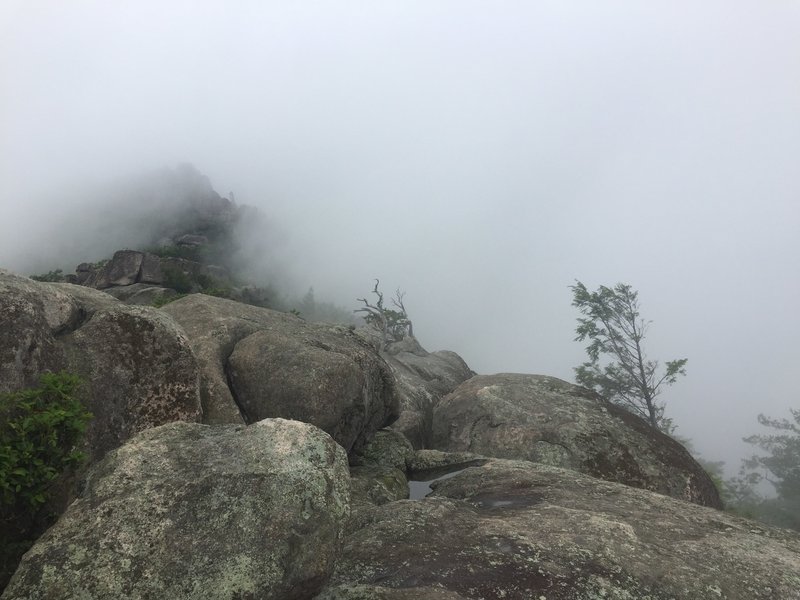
[491, 528]
[545, 420]
[242, 452]
[521, 530]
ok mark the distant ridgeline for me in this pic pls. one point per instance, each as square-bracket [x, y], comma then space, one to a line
[191, 242]
[191, 247]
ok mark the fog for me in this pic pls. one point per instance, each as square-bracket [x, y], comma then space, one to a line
[482, 157]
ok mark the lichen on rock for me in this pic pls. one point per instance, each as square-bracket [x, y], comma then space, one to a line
[205, 512]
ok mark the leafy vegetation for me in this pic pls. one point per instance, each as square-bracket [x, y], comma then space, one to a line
[780, 467]
[175, 251]
[612, 324]
[100, 263]
[163, 300]
[52, 276]
[177, 280]
[41, 430]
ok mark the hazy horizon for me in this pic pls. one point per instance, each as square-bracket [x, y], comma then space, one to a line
[481, 159]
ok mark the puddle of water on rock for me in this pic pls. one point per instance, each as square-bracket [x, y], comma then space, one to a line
[420, 488]
[510, 500]
[496, 503]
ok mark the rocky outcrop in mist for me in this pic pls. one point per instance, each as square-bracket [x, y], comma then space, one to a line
[239, 452]
[549, 421]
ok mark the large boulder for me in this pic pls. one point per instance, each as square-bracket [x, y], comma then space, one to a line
[258, 363]
[519, 530]
[192, 511]
[214, 327]
[546, 420]
[423, 378]
[387, 448]
[31, 317]
[140, 371]
[126, 267]
[138, 367]
[132, 268]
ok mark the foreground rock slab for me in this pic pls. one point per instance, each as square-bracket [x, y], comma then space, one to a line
[187, 511]
[519, 530]
[550, 421]
[376, 592]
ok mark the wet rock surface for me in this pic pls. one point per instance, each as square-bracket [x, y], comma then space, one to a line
[519, 530]
[546, 420]
[376, 592]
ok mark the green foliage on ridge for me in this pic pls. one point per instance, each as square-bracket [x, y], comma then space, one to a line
[51, 276]
[779, 466]
[41, 430]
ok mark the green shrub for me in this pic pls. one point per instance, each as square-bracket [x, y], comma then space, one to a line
[55, 276]
[40, 429]
[177, 280]
[206, 282]
[163, 300]
[219, 292]
[174, 251]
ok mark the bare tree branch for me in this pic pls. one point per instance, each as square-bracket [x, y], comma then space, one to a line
[393, 325]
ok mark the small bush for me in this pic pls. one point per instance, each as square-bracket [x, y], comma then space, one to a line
[219, 292]
[174, 251]
[54, 276]
[40, 429]
[163, 300]
[204, 281]
[177, 280]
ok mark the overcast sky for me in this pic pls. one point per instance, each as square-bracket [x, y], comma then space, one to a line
[481, 156]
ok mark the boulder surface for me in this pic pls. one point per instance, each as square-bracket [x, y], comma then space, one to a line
[258, 363]
[199, 512]
[138, 367]
[423, 378]
[546, 420]
[520, 530]
[140, 371]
